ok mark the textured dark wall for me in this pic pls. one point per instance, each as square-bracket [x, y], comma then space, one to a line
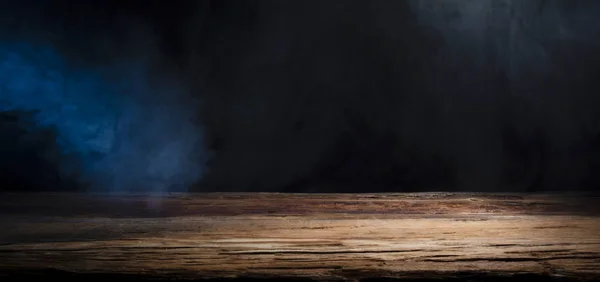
[365, 96]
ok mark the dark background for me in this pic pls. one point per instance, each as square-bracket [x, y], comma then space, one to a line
[350, 96]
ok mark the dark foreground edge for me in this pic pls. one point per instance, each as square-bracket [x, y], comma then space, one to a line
[66, 276]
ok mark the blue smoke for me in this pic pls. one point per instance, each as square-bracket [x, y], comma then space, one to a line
[120, 128]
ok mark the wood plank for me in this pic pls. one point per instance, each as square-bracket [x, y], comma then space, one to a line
[307, 236]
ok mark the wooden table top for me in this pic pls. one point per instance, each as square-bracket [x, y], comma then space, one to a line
[302, 236]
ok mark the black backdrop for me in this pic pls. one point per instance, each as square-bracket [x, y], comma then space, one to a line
[352, 96]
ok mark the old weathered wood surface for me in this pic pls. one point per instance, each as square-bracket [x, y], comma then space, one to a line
[316, 236]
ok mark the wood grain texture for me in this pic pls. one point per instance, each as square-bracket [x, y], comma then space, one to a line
[308, 236]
